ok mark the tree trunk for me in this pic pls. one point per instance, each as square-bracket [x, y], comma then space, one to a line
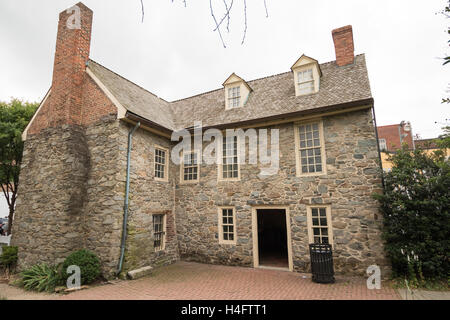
[10, 220]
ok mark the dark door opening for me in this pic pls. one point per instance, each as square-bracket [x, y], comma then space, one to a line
[272, 238]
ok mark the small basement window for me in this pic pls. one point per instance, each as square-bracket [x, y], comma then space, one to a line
[227, 226]
[159, 232]
[319, 223]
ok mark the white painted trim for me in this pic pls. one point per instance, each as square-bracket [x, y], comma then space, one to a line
[166, 166]
[329, 223]
[24, 134]
[121, 111]
[298, 166]
[255, 234]
[220, 225]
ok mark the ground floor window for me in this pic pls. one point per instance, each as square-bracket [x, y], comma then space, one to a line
[227, 225]
[159, 231]
[319, 224]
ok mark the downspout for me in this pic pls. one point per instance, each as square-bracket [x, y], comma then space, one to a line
[378, 146]
[125, 206]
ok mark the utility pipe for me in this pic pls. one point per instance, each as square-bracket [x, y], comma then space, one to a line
[125, 206]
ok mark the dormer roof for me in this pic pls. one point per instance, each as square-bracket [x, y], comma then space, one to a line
[305, 60]
[233, 79]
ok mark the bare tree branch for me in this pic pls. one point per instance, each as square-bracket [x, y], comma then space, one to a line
[142, 8]
[215, 21]
[245, 16]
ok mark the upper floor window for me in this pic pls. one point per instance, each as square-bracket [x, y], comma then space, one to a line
[234, 97]
[307, 75]
[190, 167]
[161, 164]
[382, 143]
[230, 163]
[305, 81]
[310, 148]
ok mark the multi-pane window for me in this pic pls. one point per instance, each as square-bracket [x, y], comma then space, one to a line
[234, 97]
[160, 164]
[227, 225]
[230, 166]
[320, 225]
[382, 143]
[158, 232]
[310, 148]
[305, 81]
[190, 166]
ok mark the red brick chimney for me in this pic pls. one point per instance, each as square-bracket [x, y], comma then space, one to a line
[72, 53]
[343, 44]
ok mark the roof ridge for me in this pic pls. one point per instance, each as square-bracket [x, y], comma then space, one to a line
[155, 95]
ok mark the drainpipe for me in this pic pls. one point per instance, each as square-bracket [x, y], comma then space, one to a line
[125, 206]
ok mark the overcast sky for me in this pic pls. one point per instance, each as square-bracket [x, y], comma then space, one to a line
[174, 53]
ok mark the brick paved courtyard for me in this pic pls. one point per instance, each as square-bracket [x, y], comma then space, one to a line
[188, 280]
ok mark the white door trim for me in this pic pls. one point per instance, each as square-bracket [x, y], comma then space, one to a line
[255, 234]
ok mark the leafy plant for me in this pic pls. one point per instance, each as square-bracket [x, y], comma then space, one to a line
[416, 210]
[87, 261]
[41, 277]
[8, 259]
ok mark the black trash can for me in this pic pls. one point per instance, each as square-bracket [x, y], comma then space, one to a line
[321, 262]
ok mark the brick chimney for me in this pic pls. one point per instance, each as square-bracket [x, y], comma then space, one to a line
[343, 44]
[72, 53]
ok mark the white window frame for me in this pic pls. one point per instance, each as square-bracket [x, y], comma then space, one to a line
[166, 164]
[162, 246]
[232, 99]
[182, 167]
[311, 226]
[220, 226]
[297, 148]
[221, 162]
[381, 143]
[311, 81]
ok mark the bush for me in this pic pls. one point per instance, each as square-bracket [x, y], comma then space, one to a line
[8, 259]
[41, 277]
[416, 210]
[87, 261]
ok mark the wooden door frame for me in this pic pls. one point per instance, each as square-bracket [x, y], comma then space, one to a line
[255, 233]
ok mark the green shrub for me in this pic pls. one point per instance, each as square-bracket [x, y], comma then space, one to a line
[87, 261]
[8, 259]
[41, 277]
[416, 211]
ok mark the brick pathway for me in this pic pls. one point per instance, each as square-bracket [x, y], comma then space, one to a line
[188, 280]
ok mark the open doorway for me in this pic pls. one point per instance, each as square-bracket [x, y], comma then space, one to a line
[272, 238]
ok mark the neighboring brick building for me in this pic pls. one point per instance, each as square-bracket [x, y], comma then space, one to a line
[392, 137]
[74, 170]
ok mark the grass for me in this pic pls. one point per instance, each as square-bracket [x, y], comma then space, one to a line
[433, 285]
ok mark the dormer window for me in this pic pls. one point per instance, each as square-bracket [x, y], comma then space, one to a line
[234, 97]
[307, 75]
[305, 81]
[237, 92]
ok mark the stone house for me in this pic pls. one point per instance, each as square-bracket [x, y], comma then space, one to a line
[75, 187]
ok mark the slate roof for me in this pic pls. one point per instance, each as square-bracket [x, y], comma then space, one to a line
[271, 96]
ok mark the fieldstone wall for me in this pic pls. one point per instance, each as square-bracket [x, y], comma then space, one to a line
[147, 197]
[71, 195]
[52, 192]
[352, 176]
